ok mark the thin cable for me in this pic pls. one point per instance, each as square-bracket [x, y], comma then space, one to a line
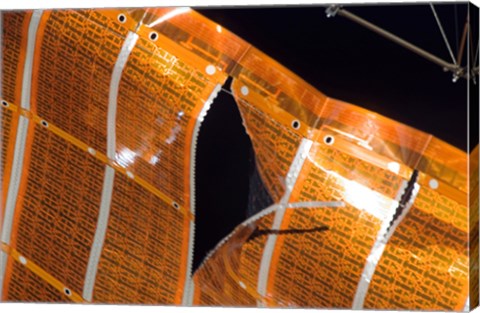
[471, 44]
[455, 13]
[462, 44]
[475, 59]
[443, 33]
[402, 42]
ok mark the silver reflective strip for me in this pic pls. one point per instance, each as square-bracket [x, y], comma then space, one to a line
[466, 307]
[12, 194]
[294, 205]
[27, 71]
[20, 142]
[315, 204]
[254, 218]
[291, 180]
[99, 237]
[127, 47]
[379, 246]
[104, 212]
[188, 289]
[3, 267]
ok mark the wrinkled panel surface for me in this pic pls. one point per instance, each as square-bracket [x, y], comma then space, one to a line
[335, 258]
[141, 256]
[56, 213]
[229, 275]
[32, 289]
[75, 60]
[13, 28]
[474, 224]
[425, 264]
[238, 259]
[100, 81]
[158, 101]
[368, 213]
[274, 149]
[358, 157]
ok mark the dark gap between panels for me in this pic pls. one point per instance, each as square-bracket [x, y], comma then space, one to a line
[224, 168]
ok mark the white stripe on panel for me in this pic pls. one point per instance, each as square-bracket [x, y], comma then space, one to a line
[20, 142]
[127, 47]
[100, 233]
[28, 69]
[291, 179]
[379, 246]
[104, 211]
[188, 289]
[315, 204]
[466, 307]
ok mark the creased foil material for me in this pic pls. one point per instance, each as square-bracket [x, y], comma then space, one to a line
[100, 117]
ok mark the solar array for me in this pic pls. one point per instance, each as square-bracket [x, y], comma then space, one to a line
[101, 111]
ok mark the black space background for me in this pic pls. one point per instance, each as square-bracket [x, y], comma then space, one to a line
[344, 61]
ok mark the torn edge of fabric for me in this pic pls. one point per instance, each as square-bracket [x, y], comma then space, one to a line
[188, 293]
[387, 229]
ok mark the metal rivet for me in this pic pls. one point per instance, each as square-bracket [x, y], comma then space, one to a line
[22, 260]
[4, 103]
[210, 69]
[433, 183]
[242, 284]
[244, 90]
[91, 151]
[44, 123]
[393, 167]
[67, 291]
[130, 175]
[175, 205]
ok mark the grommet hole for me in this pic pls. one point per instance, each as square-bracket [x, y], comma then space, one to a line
[328, 140]
[122, 18]
[296, 124]
[153, 36]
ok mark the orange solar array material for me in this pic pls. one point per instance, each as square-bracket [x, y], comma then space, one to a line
[368, 213]
[424, 262]
[106, 226]
[473, 227]
[386, 153]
